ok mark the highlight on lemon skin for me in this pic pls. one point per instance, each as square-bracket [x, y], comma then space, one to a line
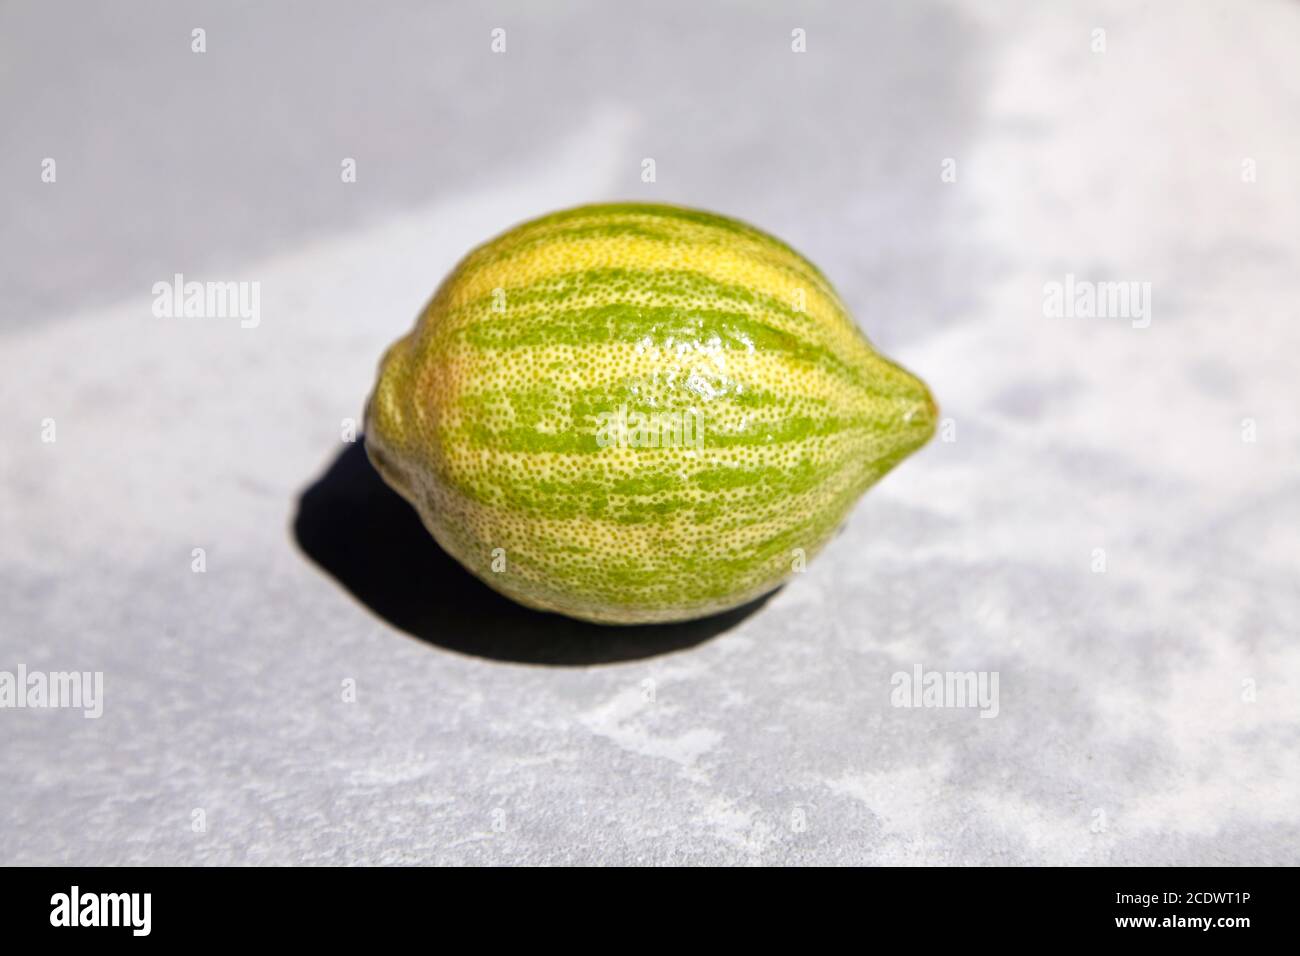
[633, 413]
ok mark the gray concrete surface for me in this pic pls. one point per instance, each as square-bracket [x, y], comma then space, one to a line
[1146, 713]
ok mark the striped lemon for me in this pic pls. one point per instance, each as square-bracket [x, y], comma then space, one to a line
[637, 413]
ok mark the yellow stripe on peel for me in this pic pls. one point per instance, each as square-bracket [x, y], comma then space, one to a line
[744, 239]
[827, 325]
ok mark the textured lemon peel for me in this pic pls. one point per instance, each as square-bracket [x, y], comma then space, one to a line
[486, 416]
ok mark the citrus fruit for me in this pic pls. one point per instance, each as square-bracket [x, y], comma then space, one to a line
[635, 413]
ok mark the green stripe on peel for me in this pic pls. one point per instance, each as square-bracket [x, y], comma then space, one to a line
[667, 328]
[619, 285]
[662, 484]
[691, 575]
[547, 418]
[585, 438]
[615, 223]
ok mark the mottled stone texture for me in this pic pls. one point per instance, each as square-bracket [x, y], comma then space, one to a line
[1147, 713]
